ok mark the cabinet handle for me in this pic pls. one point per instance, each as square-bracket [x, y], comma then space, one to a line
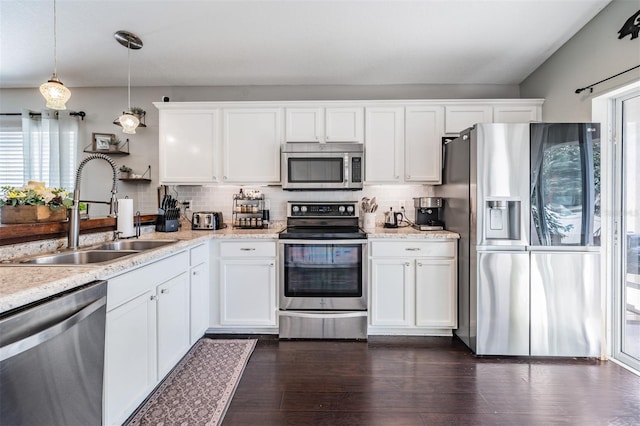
[247, 249]
[164, 291]
[419, 264]
[224, 177]
[152, 297]
[412, 249]
[196, 273]
[272, 264]
[408, 177]
[407, 264]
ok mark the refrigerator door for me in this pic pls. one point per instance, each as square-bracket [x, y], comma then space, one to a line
[565, 184]
[502, 207]
[503, 303]
[566, 316]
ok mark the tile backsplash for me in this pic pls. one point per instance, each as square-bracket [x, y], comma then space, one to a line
[220, 198]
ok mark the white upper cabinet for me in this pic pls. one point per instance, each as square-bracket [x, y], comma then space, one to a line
[188, 143]
[305, 125]
[344, 124]
[460, 117]
[251, 145]
[384, 139]
[516, 113]
[335, 124]
[424, 128]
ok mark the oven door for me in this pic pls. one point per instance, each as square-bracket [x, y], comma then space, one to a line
[323, 275]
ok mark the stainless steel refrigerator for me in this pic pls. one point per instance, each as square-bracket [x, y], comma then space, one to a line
[525, 199]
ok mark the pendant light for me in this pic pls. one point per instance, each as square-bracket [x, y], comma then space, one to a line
[128, 120]
[54, 92]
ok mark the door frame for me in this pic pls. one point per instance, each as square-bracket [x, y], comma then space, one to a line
[604, 111]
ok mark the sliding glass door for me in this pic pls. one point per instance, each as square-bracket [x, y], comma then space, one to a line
[627, 292]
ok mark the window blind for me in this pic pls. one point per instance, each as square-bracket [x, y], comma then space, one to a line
[11, 152]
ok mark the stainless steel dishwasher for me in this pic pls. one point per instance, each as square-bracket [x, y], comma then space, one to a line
[52, 359]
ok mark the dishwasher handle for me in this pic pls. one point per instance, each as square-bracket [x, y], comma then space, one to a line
[29, 342]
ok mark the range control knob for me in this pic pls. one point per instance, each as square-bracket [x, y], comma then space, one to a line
[295, 209]
[350, 209]
[341, 209]
[303, 209]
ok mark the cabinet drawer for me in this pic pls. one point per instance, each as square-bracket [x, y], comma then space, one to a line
[248, 249]
[129, 285]
[199, 254]
[413, 249]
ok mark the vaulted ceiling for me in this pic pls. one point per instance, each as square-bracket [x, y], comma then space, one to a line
[212, 43]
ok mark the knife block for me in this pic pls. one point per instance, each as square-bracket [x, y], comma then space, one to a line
[168, 222]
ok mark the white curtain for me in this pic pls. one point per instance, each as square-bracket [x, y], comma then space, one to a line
[50, 148]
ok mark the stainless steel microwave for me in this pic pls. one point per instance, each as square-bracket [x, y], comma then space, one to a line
[322, 166]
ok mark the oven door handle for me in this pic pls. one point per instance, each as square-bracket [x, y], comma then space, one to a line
[324, 314]
[323, 242]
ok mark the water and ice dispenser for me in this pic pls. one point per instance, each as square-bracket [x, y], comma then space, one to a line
[502, 220]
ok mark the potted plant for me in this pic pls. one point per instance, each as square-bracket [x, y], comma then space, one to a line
[124, 172]
[33, 203]
[114, 143]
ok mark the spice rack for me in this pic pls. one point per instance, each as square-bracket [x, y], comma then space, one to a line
[248, 209]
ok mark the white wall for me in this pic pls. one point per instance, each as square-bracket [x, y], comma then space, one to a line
[103, 105]
[593, 54]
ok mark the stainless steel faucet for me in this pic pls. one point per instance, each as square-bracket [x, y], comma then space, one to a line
[74, 218]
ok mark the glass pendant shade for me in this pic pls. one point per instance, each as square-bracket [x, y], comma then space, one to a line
[55, 93]
[129, 123]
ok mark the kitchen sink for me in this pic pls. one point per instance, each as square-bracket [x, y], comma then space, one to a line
[134, 244]
[102, 253]
[83, 257]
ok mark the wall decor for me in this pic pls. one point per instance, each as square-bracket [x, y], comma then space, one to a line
[630, 27]
[100, 141]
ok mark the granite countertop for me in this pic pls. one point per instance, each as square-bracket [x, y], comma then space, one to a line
[21, 285]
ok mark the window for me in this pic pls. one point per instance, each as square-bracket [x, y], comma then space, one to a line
[11, 152]
[38, 147]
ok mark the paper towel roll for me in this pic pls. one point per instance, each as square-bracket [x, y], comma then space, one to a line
[125, 217]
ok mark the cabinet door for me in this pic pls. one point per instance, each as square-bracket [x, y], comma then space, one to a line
[424, 128]
[251, 145]
[384, 136]
[199, 296]
[173, 322]
[391, 295]
[344, 125]
[304, 125]
[130, 358]
[460, 117]
[188, 140]
[248, 292]
[516, 113]
[436, 293]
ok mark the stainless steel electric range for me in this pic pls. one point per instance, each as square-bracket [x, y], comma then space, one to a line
[323, 272]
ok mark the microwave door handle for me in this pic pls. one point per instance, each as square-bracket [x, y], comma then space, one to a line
[347, 178]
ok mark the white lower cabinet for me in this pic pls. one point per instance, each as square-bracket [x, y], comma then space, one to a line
[248, 291]
[147, 332]
[130, 358]
[413, 287]
[173, 322]
[199, 291]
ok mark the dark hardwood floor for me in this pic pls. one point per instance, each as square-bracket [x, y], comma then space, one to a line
[425, 381]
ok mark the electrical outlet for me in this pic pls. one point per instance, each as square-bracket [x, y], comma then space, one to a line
[186, 204]
[401, 204]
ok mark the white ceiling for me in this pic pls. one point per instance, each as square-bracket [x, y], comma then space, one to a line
[212, 43]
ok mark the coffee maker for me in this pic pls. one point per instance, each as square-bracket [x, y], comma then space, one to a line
[428, 210]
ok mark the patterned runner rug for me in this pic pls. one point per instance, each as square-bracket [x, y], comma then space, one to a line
[199, 390]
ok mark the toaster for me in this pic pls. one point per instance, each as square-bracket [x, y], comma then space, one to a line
[207, 220]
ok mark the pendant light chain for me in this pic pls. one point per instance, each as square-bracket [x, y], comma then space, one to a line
[55, 37]
[129, 75]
